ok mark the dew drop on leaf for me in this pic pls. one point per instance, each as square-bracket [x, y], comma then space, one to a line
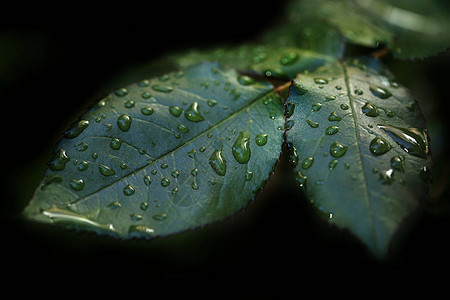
[370, 110]
[241, 148]
[386, 177]
[379, 146]
[115, 144]
[124, 122]
[307, 162]
[337, 149]
[59, 161]
[160, 217]
[398, 163]
[320, 81]
[147, 180]
[147, 111]
[332, 164]
[312, 124]
[77, 129]
[165, 182]
[412, 140]
[175, 111]
[289, 109]
[379, 92]
[128, 190]
[193, 114]
[162, 88]
[218, 163]
[245, 80]
[261, 139]
[332, 130]
[105, 170]
[130, 104]
[334, 117]
[77, 184]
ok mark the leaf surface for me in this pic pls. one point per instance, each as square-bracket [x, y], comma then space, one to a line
[164, 155]
[360, 148]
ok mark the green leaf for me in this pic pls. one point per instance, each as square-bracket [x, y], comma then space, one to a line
[164, 155]
[360, 148]
[411, 29]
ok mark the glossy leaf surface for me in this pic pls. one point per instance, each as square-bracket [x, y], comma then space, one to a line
[164, 155]
[360, 148]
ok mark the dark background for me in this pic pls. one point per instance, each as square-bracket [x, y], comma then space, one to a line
[55, 59]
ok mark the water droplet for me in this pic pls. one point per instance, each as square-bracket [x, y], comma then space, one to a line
[320, 81]
[123, 166]
[114, 205]
[147, 180]
[337, 149]
[289, 59]
[130, 104]
[139, 229]
[174, 191]
[105, 170]
[245, 80]
[248, 176]
[164, 166]
[82, 165]
[162, 88]
[334, 117]
[370, 110]
[202, 149]
[289, 109]
[289, 124]
[94, 155]
[338, 87]
[330, 98]
[183, 128]
[386, 177]
[293, 157]
[143, 205]
[312, 124]
[194, 186]
[193, 114]
[76, 129]
[413, 141]
[121, 92]
[300, 180]
[211, 103]
[175, 111]
[124, 122]
[380, 92]
[241, 148]
[77, 184]
[128, 190]
[307, 162]
[165, 182]
[160, 217]
[218, 163]
[344, 106]
[146, 95]
[59, 161]
[261, 139]
[316, 106]
[235, 94]
[358, 92]
[81, 147]
[154, 172]
[143, 83]
[194, 172]
[332, 130]
[398, 163]
[332, 164]
[115, 144]
[379, 146]
[175, 174]
[135, 217]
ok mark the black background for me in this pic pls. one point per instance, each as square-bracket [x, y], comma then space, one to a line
[58, 56]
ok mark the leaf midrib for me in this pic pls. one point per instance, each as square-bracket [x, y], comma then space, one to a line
[357, 135]
[230, 117]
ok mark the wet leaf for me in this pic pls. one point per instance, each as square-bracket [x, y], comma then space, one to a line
[366, 163]
[159, 156]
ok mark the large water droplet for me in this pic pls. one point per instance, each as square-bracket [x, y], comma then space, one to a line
[59, 161]
[121, 92]
[307, 162]
[165, 182]
[261, 139]
[379, 146]
[193, 114]
[334, 117]
[77, 184]
[218, 163]
[380, 92]
[398, 163]
[413, 141]
[241, 148]
[337, 149]
[312, 124]
[175, 111]
[162, 88]
[115, 144]
[320, 81]
[105, 170]
[76, 129]
[147, 180]
[289, 109]
[370, 110]
[124, 122]
[332, 130]
[128, 190]
[130, 104]
[245, 80]
[82, 165]
[316, 106]
[147, 111]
